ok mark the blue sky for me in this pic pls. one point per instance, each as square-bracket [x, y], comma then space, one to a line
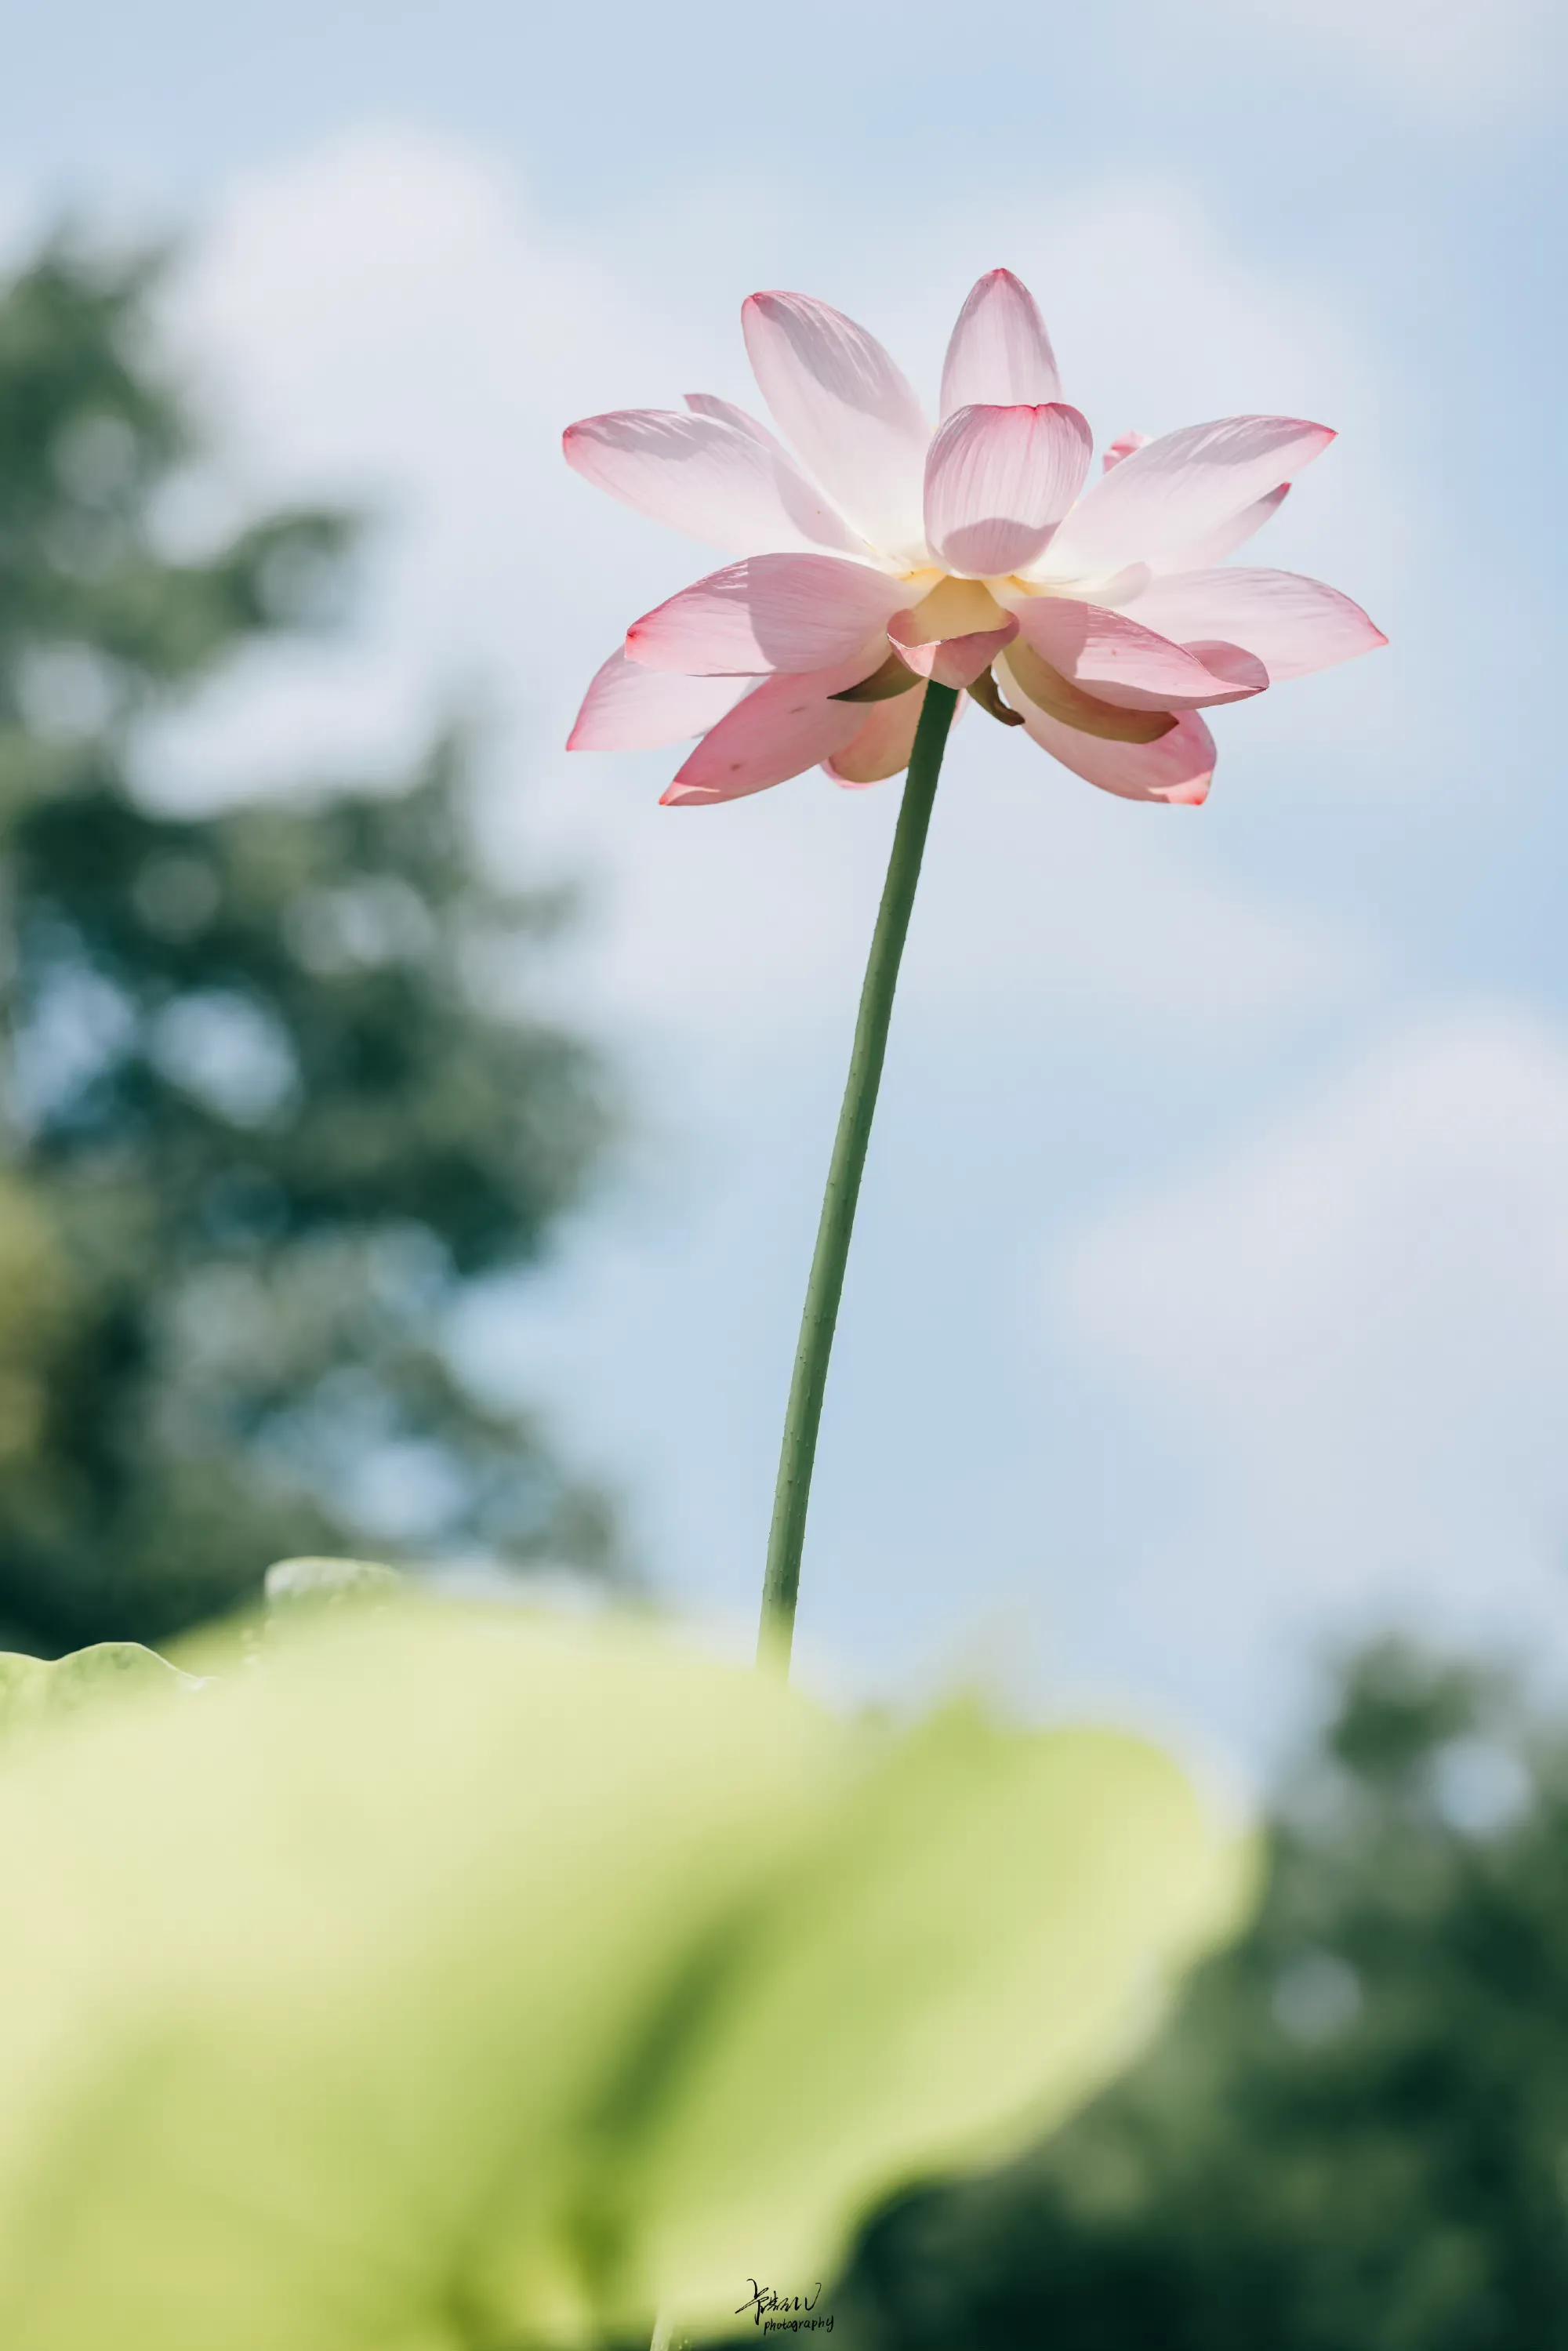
[1211, 1293]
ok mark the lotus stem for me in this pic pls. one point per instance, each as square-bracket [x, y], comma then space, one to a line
[802, 1417]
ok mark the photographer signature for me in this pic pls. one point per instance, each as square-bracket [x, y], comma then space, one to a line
[786, 2314]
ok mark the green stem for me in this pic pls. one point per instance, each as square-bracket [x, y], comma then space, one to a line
[825, 1285]
[782, 1583]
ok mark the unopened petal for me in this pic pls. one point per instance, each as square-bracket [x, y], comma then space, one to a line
[849, 412]
[629, 708]
[998, 480]
[1293, 626]
[1168, 495]
[789, 612]
[1000, 353]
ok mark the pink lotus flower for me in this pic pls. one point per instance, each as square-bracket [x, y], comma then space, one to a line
[884, 556]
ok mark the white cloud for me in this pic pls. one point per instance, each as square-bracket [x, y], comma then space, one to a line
[1350, 1339]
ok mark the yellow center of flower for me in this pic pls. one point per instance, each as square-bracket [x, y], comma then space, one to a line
[956, 608]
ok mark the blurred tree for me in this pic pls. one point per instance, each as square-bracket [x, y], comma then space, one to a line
[264, 1116]
[1355, 2138]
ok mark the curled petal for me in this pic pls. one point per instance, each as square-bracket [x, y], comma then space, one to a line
[1115, 659]
[629, 708]
[847, 410]
[893, 677]
[950, 661]
[1050, 691]
[1000, 353]
[787, 612]
[954, 633]
[786, 726]
[997, 482]
[1178, 768]
[983, 690]
[1175, 490]
[883, 747]
[700, 474]
[1292, 625]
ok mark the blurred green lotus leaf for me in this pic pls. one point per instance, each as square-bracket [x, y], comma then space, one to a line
[316, 1582]
[456, 1982]
[35, 1691]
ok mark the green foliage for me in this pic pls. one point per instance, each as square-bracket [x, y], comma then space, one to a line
[442, 1982]
[328, 1583]
[35, 1691]
[1355, 2139]
[261, 1117]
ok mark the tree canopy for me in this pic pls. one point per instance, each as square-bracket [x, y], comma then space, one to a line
[264, 1112]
